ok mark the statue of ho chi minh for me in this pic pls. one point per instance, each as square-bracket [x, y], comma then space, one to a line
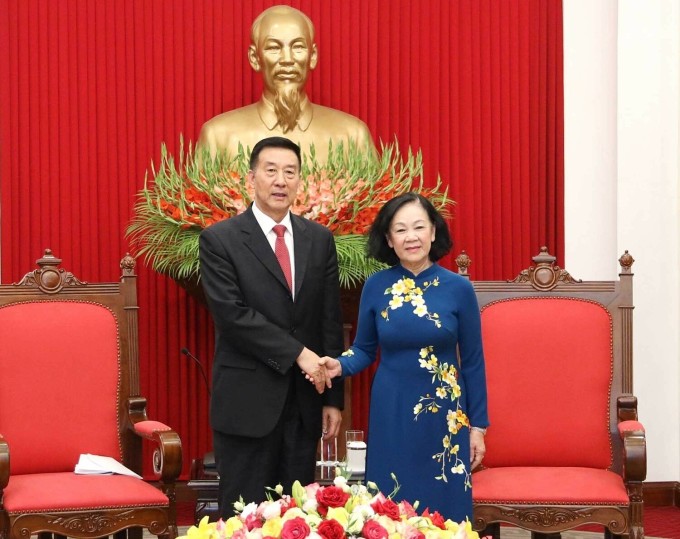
[282, 49]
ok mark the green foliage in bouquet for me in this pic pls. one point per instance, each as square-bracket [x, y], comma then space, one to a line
[344, 194]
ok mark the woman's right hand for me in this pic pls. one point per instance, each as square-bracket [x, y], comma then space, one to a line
[333, 367]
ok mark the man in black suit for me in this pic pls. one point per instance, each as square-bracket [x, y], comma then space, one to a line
[265, 416]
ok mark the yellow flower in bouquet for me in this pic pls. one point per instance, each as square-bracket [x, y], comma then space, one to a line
[337, 511]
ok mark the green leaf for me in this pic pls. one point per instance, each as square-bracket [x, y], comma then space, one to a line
[192, 192]
[298, 493]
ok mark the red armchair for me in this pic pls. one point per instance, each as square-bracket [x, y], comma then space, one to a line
[69, 385]
[564, 447]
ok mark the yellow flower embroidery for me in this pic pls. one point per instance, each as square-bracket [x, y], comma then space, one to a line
[459, 469]
[420, 310]
[399, 287]
[396, 302]
[405, 291]
[445, 377]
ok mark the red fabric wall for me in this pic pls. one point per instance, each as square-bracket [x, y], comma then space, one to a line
[90, 89]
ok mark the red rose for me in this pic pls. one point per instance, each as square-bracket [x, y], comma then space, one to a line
[373, 530]
[406, 509]
[252, 521]
[417, 534]
[436, 518]
[287, 503]
[295, 528]
[331, 529]
[331, 497]
[386, 507]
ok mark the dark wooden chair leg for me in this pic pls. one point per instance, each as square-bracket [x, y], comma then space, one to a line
[492, 530]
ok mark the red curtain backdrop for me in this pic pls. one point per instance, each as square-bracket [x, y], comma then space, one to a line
[90, 89]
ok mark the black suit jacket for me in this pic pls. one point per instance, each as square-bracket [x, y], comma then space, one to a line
[260, 330]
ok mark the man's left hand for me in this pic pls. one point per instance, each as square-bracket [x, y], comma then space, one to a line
[331, 420]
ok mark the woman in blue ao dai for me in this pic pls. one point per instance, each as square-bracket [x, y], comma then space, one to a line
[428, 411]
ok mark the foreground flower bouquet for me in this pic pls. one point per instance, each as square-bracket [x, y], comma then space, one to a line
[343, 194]
[333, 512]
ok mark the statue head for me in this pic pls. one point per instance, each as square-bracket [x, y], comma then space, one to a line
[282, 49]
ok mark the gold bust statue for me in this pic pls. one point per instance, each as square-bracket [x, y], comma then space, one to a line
[282, 49]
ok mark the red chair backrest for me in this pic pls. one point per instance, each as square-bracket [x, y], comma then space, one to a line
[59, 383]
[549, 375]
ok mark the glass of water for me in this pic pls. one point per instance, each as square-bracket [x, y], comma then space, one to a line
[328, 458]
[356, 451]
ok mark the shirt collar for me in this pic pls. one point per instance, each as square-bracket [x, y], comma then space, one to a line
[266, 111]
[267, 223]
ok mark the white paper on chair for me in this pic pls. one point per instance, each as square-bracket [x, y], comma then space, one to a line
[99, 465]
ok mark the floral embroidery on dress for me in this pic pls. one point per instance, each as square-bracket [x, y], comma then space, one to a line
[405, 291]
[445, 379]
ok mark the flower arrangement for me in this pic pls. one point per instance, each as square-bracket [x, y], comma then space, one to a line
[344, 193]
[336, 511]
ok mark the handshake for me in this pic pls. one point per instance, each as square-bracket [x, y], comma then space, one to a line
[319, 370]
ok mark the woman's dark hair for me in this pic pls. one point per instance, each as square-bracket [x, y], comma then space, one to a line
[377, 246]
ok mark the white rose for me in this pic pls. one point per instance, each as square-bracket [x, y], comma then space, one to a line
[271, 510]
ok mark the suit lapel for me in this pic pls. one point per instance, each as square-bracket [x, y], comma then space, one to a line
[302, 242]
[257, 242]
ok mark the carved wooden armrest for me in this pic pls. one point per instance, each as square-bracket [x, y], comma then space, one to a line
[167, 457]
[4, 464]
[626, 407]
[632, 433]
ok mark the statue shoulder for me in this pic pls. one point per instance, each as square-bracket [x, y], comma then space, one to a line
[343, 118]
[228, 121]
[337, 120]
[226, 130]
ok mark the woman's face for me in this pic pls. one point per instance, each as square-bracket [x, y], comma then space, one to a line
[411, 234]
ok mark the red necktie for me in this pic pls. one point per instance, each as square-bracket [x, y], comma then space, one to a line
[282, 255]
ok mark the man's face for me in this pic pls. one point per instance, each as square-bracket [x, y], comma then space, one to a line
[275, 181]
[285, 53]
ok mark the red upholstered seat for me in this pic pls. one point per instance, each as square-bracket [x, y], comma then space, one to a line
[68, 386]
[554, 485]
[67, 491]
[564, 447]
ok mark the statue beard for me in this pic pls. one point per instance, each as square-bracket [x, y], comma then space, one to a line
[287, 106]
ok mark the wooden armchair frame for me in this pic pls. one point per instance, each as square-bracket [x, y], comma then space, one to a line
[544, 515]
[147, 506]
